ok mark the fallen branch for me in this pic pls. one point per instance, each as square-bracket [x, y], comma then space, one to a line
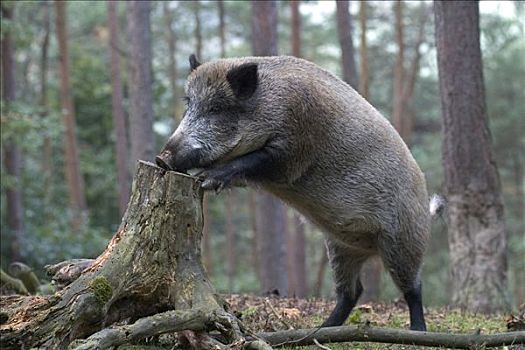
[393, 336]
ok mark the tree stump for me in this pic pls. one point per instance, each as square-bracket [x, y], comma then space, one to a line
[151, 265]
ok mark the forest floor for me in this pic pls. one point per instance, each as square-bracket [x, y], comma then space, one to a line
[267, 314]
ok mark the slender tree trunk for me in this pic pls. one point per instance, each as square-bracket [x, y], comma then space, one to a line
[171, 39]
[405, 81]
[519, 176]
[47, 152]
[363, 52]
[344, 32]
[321, 270]
[296, 28]
[12, 155]
[399, 69]
[270, 218]
[206, 238]
[75, 182]
[119, 121]
[298, 240]
[477, 234]
[373, 268]
[140, 82]
[197, 33]
[230, 241]
[222, 25]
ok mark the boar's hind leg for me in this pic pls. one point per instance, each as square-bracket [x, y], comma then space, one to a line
[346, 266]
[404, 263]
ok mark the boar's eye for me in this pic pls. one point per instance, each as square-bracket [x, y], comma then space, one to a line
[186, 100]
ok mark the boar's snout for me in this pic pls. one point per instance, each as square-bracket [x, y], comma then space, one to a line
[162, 161]
[179, 159]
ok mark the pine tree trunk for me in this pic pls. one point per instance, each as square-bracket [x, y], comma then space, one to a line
[119, 121]
[476, 231]
[344, 32]
[47, 151]
[140, 82]
[296, 28]
[12, 156]
[363, 52]
[270, 218]
[197, 33]
[151, 265]
[75, 182]
[222, 27]
[171, 39]
[399, 70]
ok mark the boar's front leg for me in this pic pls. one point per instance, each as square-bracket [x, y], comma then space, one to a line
[255, 166]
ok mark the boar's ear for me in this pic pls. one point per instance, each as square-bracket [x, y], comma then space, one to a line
[243, 80]
[194, 63]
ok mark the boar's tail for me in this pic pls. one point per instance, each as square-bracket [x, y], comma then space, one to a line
[437, 205]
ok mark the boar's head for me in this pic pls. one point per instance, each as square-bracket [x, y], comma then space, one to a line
[219, 122]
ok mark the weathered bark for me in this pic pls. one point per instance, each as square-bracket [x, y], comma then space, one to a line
[12, 155]
[140, 81]
[393, 336]
[270, 218]
[75, 182]
[476, 226]
[171, 39]
[119, 120]
[151, 265]
[344, 33]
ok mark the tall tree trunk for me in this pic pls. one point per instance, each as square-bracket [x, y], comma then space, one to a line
[222, 26]
[171, 39]
[230, 241]
[12, 156]
[47, 152]
[119, 121]
[197, 33]
[405, 81]
[270, 213]
[363, 52]
[373, 268]
[296, 28]
[477, 234]
[298, 240]
[75, 182]
[140, 82]
[519, 175]
[344, 32]
[399, 70]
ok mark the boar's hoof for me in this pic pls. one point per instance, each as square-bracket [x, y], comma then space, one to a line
[215, 180]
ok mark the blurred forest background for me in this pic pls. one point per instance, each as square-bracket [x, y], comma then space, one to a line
[70, 132]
